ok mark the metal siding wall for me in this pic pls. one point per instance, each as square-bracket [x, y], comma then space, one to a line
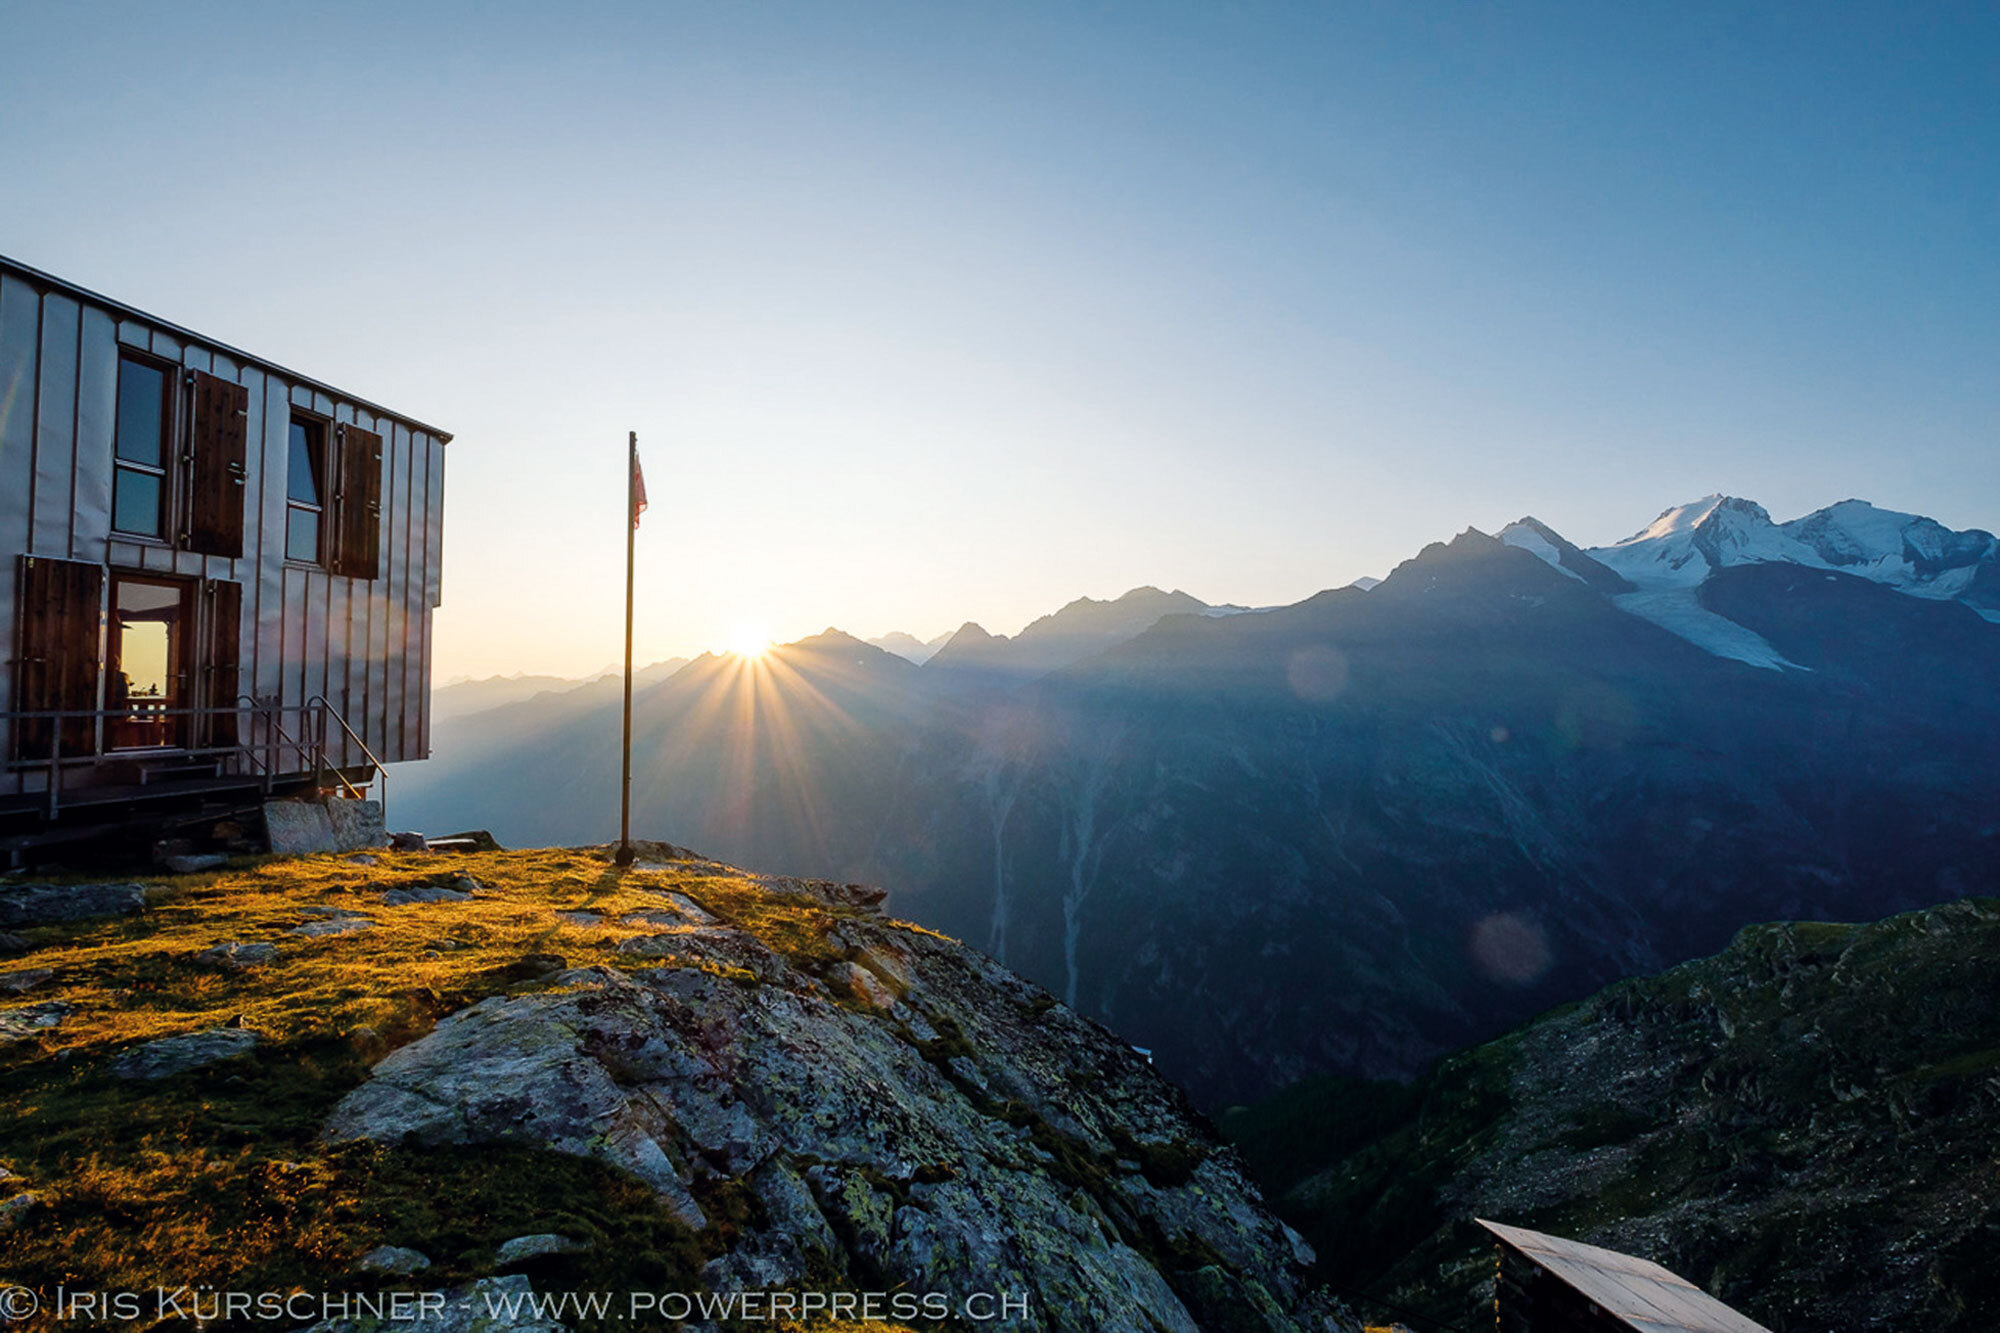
[399, 712]
[433, 589]
[55, 427]
[341, 595]
[385, 603]
[20, 336]
[268, 600]
[96, 421]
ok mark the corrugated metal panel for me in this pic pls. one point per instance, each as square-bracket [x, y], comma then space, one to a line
[268, 546]
[1637, 1292]
[96, 420]
[384, 604]
[55, 429]
[20, 336]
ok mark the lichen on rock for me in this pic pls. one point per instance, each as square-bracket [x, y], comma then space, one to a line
[898, 1111]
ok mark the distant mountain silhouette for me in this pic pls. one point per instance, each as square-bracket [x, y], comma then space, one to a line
[908, 646]
[1081, 629]
[1348, 834]
[463, 698]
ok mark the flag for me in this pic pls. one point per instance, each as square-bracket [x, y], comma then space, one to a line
[638, 489]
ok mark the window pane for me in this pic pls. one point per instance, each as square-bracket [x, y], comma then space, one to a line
[302, 535]
[140, 390]
[302, 478]
[144, 648]
[135, 502]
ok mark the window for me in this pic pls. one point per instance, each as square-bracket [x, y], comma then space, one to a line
[305, 490]
[139, 473]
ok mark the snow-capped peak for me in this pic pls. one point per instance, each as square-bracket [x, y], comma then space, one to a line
[1907, 551]
[1917, 555]
[1681, 519]
[1687, 543]
[1536, 538]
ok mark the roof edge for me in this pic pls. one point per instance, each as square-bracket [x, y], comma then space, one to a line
[46, 279]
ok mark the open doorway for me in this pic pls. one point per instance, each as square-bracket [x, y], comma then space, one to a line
[151, 625]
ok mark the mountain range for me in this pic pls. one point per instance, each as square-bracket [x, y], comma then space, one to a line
[1353, 833]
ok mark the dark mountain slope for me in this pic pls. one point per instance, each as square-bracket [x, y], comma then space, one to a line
[1356, 832]
[1801, 1124]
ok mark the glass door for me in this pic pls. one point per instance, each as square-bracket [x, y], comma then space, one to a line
[150, 624]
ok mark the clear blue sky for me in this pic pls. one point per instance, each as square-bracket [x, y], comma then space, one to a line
[928, 312]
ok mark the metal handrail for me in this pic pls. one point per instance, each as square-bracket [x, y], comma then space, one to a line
[277, 733]
[327, 710]
[311, 754]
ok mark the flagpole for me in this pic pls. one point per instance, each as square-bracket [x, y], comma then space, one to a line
[624, 854]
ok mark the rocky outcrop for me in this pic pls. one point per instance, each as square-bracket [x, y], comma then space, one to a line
[903, 1113]
[42, 904]
[29, 1021]
[178, 1054]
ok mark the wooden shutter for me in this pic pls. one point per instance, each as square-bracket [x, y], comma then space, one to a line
[217, 446]
[224, 604]
[357, 528]
[61, 618]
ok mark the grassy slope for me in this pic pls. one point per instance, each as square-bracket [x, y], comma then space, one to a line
[218, 1177]
[1802, 1123]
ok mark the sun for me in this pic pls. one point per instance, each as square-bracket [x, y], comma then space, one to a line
[749, 639]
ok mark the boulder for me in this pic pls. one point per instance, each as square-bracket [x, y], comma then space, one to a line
[393, 1260]
[236, 956]
[490, 1305]
[14, 1209]
[356, 824]
[523, 1248]
[40, 904]
[473, 840]
[193, 863]
[190, 1050]
[12, 943]
[409, 842]
[31, 1021]
[339, 925]
[422, 893]
[14, 983]
[298, 828]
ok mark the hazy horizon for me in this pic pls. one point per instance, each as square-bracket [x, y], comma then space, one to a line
[926, 316]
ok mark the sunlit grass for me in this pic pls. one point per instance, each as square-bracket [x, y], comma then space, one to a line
[218, 1175]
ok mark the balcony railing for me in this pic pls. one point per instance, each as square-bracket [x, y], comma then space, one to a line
[267, 742]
